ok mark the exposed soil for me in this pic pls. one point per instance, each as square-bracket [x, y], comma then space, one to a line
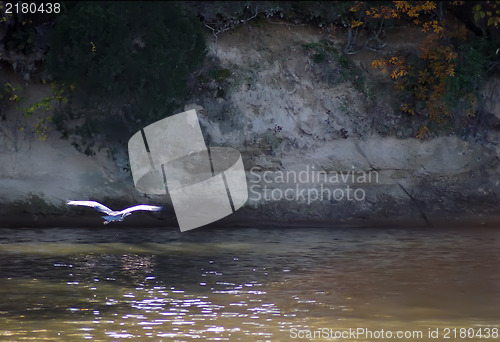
[283, 111]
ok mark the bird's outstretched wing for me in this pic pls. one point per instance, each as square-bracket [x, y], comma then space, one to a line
[92, 204]
[141, 207]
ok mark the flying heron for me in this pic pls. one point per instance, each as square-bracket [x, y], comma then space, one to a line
[112, 215]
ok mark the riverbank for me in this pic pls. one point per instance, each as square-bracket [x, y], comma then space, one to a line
[272, 103]
[245, 219]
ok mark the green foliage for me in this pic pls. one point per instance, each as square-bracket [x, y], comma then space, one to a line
[489, 11]
[85, 132]
[319, 57]
[342, 70]
[59, 96]
[10, 93]
[474, 63]
[22, 40]
[350, 72]
[220, 74]
[128, 61]
[45, 103]
[320, 50]
[442, 81]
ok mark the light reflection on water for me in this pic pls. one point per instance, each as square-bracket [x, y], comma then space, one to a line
[243, 284]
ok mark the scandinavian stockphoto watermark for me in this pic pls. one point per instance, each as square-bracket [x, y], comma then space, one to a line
[171, 156]
[206, 184]
[309, 185]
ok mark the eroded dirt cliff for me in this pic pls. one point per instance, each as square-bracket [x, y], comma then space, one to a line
[286, 114]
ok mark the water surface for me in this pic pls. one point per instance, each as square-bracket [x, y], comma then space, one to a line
[158, 284]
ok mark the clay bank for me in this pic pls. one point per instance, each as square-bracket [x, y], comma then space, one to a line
[316, 152]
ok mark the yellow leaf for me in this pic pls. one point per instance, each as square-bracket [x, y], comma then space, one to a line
[356, 23]
[429, 5]
[357, 6]
[422, 133]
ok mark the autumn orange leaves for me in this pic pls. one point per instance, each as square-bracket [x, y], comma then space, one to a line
[421, 79]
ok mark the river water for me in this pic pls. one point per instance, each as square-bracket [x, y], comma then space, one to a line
[158, 284]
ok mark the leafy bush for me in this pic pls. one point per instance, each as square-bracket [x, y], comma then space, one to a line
[475, 60]
[126, 62]
[442, 81]
[22, 40]
[342, 70]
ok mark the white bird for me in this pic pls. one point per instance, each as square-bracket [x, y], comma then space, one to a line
[112, 215]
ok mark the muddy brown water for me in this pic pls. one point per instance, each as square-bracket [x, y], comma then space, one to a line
[300, 284]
